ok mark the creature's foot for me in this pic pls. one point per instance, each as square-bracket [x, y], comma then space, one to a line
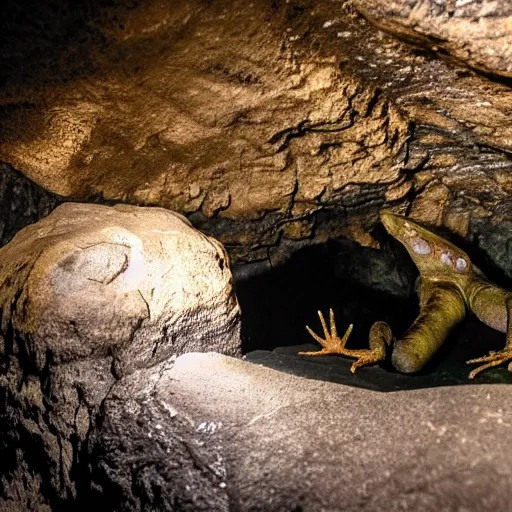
[332, 344]
[493, 359]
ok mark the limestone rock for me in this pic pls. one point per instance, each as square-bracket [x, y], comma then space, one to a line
[477, 33]
[230, 120]
[89, 294]
[231, 132]
[271, 125]
[138, 283]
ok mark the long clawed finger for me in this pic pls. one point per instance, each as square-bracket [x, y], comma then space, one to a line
[476, 371]
[315, 336]
[324, 325]
[493, 356]
[314, 353]
[331, 343]
[334, 331]
[347, 334]
[490, 360]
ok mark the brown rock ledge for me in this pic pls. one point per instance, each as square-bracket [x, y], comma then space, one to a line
[273, 125]
[478, 33]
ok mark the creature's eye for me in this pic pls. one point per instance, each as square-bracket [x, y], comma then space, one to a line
[461, 264]
[420, 246]
[446, 258]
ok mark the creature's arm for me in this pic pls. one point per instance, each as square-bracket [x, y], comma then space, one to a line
[442, 307]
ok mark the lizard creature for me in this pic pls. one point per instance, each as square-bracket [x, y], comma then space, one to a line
[450, 286]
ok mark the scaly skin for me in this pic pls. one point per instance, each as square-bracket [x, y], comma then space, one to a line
[449, 287]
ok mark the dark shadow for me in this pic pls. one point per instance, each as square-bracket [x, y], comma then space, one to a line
[54, 41]
[279, 303]
[22, 202]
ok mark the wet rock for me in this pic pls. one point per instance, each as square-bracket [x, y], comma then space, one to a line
[89, 294]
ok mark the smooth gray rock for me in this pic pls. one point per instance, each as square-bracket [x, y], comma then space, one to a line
[291, 443]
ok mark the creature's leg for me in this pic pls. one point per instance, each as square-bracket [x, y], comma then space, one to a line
[442, 307]
[380, 337]
[500, 357]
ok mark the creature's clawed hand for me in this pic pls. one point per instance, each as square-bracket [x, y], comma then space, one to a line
[490, 360]
[333, 344]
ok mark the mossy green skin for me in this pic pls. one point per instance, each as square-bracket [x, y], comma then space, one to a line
[450, 286]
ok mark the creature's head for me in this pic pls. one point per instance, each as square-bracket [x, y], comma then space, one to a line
[435, 257]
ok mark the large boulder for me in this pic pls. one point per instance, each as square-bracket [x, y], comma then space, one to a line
[139, 283]
[89, 294]
[279, 442]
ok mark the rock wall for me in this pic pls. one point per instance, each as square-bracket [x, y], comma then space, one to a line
[272, 125]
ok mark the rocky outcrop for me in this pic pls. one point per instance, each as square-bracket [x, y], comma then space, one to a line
[477, 33]
[271, 125]
[88, 295]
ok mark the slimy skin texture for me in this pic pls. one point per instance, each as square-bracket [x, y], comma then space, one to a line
[450, 286]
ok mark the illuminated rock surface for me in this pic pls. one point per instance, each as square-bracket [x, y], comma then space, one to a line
[273, 125]
[270, 441]
[475, 32]
[89, 294]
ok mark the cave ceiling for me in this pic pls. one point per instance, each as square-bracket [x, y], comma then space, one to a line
[268, 123]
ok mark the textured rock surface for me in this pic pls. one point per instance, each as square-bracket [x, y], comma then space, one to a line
[199, 125]
[88, 294]
[138, 282]
[288, 443]
[272, 125]
[478, 33]
[148, 456]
